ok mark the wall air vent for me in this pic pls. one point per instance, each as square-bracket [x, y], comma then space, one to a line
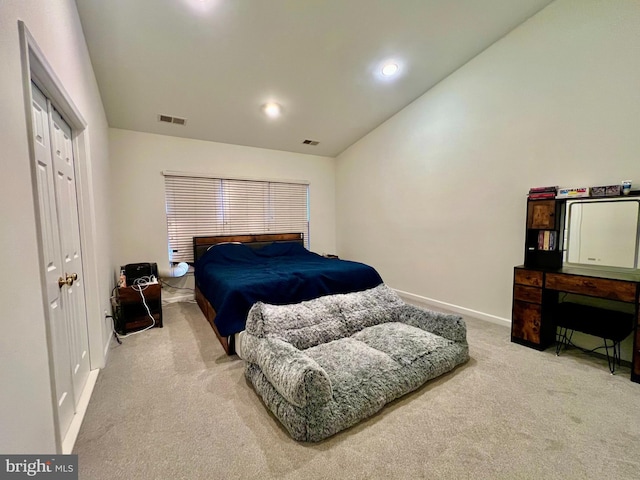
[310, 142]
[170, 119]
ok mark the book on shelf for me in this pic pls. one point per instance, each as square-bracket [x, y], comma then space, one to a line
[541, 195]
[547, 240]
[553, 189]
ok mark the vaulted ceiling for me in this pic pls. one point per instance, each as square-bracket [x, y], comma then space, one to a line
[216, 63]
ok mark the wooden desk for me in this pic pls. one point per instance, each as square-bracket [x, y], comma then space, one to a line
[535, 295]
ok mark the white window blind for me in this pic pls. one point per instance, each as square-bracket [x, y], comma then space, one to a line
[246, 206]
[288, 204]
[199, 206]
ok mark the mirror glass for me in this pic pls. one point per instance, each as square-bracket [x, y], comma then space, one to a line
[602, 232]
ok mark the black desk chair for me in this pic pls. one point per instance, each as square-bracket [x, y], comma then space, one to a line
[610, 325]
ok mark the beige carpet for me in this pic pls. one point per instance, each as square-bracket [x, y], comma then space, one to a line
[171, 405]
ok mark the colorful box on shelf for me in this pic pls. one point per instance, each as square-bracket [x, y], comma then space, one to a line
[606, 191]
[573, 192]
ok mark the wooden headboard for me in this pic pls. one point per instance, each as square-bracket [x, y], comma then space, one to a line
[202, 244]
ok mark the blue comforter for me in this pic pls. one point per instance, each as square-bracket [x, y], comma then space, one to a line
[234, 276]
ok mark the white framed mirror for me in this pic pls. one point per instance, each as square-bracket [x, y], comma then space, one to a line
[602, 233]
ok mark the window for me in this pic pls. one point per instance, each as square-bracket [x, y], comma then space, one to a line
[199, 205]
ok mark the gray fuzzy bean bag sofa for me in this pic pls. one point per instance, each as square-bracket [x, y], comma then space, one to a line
[324, 365]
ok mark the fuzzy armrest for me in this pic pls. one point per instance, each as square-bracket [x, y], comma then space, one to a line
[295, 375]
[446, 325]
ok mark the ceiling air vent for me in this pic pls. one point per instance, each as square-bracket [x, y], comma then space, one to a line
[310, 142]
[170, 119]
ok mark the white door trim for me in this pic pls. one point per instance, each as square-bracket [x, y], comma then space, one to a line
[36, 69]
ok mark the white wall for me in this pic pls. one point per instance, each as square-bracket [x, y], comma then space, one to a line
[435, 197]
[139, 222]
[26, 411]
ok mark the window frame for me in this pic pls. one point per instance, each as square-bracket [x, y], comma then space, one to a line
[239, 210]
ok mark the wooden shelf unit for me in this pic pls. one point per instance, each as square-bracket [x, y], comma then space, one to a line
[544, 217]
[540, 284]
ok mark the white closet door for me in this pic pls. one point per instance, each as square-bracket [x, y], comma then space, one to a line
[52, 261]
[67, 207]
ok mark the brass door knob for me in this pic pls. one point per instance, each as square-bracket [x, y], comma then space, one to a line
[67, 280]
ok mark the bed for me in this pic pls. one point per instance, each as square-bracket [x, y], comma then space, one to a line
[233, 272]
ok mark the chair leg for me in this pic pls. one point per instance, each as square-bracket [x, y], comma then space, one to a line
[616, 352]
[568, 342]
[611, 361]
[558, 341]
[562, 336]
[563, 339]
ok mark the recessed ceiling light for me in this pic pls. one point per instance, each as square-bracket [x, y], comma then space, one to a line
[272, 110]
[390, 69]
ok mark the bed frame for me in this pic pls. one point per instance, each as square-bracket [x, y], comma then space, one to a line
[202, 244]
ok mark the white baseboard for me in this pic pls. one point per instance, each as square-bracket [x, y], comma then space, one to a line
[183, 297]
[106, 347]
[413, 298]
[72, 434]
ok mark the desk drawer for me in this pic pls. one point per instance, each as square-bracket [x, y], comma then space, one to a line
[525, 322]
[596, 287]
[528, 277]
[527, 294]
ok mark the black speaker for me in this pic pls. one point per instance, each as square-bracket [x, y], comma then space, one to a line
[135, 271]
